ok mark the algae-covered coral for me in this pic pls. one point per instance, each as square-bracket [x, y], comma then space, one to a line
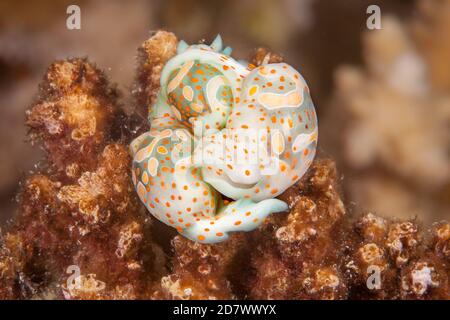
[81, 214]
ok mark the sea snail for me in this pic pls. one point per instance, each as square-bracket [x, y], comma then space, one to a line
[225, 139]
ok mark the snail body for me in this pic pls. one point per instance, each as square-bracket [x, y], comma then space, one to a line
[222, 128]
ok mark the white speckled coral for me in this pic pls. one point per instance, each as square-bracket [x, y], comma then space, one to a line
[221, 128]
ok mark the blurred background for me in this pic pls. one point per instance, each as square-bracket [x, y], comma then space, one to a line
[382, 96]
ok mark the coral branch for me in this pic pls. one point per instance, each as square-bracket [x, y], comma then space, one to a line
[152, 56]
[86, 214]
[75, 116]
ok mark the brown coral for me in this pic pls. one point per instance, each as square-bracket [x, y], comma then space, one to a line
[305, 245]
[152, 56]
[407, 261]
[201, 271]
[75, 116]
[82, 215]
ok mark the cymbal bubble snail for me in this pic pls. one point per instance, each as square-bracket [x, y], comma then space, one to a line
[220, 127]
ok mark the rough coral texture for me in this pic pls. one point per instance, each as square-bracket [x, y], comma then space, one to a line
[82, 211]
[81, 233]
[201, 271]
[152, 56]
[410, 267]
[393, 114]
[74, 116]
[298, 254]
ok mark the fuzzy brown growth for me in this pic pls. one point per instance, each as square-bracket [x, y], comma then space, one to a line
[95, 224]
[74, 116]
[317, 251]
[263, 56]
[152, 56]
[90, 221]
[298, 254]
[201, 271]
[409, 266]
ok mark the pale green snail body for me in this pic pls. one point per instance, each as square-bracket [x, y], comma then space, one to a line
[221, 128]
